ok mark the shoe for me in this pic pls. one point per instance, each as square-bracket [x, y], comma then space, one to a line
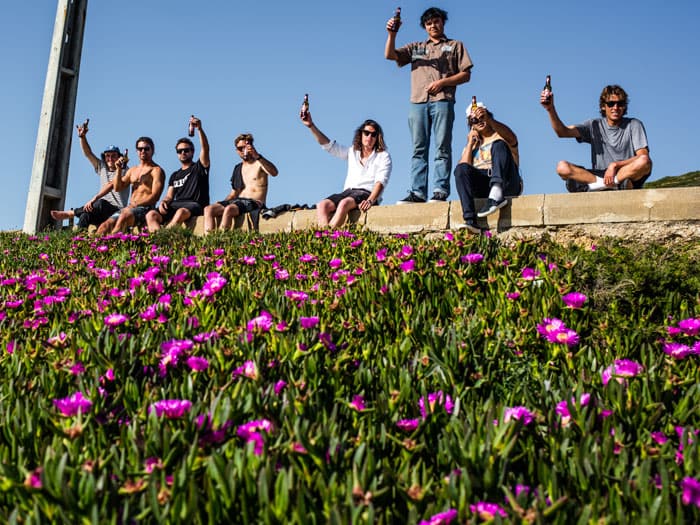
[491, 206]
[439, 196]
[470, 225]
[411, 198]
[573, 186]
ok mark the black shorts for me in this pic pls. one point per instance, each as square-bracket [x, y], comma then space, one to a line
[636, 184]
[194, 208]
[139, 213]
[244, 205]
[357, 194]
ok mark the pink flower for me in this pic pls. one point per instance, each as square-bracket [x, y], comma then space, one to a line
[568, 337]
[357, 403]
[562, 407]
[408, 266]
[690, 326]
[152, 464]
[520, 413]
[513, 295]
[335, 263]
[529, 274]
[487, 511]
[408, 425]
[381, 254]
[73, 404]
[443, 518]
[172, 408]
[435, 398]
[308, 322]
[574, 299]
[620, 369]
[279, 386]
[247, 369]
[691, 491]
[115, 319]
[677, 350]
[250, 432]
[296, 296]
[263, 322]
[472, 258]
[33, 479]
[197, 363]
[659, 437]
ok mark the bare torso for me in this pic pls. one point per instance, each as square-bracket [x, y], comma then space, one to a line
[255, 181]
[146, 184]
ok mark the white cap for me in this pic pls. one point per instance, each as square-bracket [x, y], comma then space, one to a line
[478, 105]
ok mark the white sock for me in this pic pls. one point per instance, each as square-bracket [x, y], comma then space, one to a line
[597, 185]
[496, 192]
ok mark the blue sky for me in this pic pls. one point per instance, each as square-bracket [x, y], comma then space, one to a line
[245, 66]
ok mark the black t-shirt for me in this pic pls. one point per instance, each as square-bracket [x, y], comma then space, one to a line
[191, 184]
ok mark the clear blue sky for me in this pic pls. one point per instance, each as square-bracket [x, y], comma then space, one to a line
[245, 66]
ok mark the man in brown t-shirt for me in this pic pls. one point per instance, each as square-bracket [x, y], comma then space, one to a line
[438, 66]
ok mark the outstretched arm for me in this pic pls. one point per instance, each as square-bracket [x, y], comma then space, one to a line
[561, 129]
[87, 150]
[317, 133]
[204, 142]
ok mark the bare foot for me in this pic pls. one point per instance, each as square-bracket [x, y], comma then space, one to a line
[62, 215]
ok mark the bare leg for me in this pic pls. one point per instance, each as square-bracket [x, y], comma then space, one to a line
[230, 213]
[211, 212]
[181, 216]
[153, 220]
[324, 210]
[635, 170]
[106, 227]
[125, 220]
[62, 215]
[344, 207]
[567, 171]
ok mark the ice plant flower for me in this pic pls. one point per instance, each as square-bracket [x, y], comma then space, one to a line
[442, 518]
[197, 364]
[520, 413]
[472, 258]
[562, 407]
[357, 403]
[487, 511]
[408, 425]
[73, 404]
[621, 369]
[172, 408]
[381, 254]
[691, 491]
[263, 322]
[529, 274]
[690, 326]
[513, 295]
[408, 266]
[279, 386]
[568, 337]
[308, 322]
[114, 320]
[297, 296]
[251, 432]
[435, 398]
[574, 300]
[247, 369]
[335, 263]
[678, 350]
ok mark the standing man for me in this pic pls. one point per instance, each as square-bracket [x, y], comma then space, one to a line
[107, 201]
[146, 180]
[248, 186]
[619, 148]
[369, 169]
[438, 66]
[188, 187]
[488, 167]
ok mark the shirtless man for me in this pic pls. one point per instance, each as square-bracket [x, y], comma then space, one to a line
[106, 202]
[146, 180]
[248, 183]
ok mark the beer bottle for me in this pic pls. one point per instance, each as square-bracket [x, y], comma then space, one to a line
[304, 107]
[190, 128]
[396, 22]
[548, 89]
[472, 111]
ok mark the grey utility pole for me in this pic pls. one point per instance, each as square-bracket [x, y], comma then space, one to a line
[47, 188]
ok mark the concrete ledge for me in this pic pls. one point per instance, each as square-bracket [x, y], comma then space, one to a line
[527, 211]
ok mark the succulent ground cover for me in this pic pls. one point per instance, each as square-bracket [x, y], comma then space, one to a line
[347, 377]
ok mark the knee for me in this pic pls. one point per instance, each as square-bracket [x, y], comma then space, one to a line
[564, 169]
[231, 211]
[461, 170]
[325, 206]
[644, 163]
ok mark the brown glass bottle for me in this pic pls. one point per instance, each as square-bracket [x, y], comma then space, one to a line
[190, 128]
[396, 22]
[304, 107]
[548, 89]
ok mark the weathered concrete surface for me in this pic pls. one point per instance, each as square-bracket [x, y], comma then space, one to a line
[655, 213]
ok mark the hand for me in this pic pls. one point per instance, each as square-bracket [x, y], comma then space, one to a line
[435, 87]
[393, 25]
[251, 152]
[306, 119]
[473, 139]
[88, 205]
[163, 208]
[123, 160]
[366, 204]
[82, 129]
[547, 99]
[196, 122]
[610, 172]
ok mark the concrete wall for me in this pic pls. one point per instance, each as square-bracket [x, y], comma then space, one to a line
[527, 211]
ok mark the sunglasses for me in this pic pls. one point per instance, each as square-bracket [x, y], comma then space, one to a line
[144, 148]
[473, 121]
[240, 148]
[618, 103]
[368, 133]
[183, 150]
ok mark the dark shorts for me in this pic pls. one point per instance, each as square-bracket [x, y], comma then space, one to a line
[357, 194]
[244, 205]
[139, 213]
[194, 208]
[636, 184]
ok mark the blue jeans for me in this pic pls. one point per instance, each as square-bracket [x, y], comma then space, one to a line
[436, 117]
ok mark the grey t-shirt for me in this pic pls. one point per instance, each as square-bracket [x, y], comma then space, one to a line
[612, 143]
[116, 198]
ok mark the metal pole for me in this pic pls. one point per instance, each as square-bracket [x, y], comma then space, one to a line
[47, 188]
